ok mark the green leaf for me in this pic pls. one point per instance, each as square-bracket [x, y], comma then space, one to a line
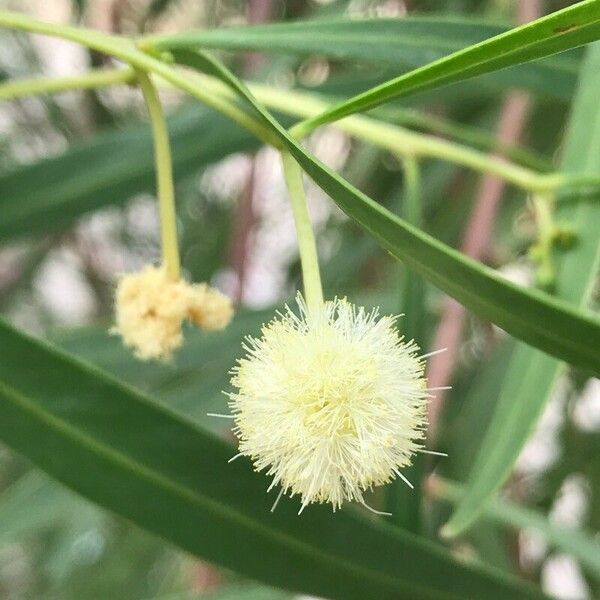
[568, 28]
[146, 463]
[108, 170]
[532, 375]
[533, 316]
[230, 592]
[192, 383]
[405, 43]
[574, 541]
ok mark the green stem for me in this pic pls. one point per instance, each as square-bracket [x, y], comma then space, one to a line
[307, 245]
[412, 185]
[541, 252]
[465, 134]
[12, 90]
[413, 289]
[220, 97]
[128, 52]
[164, 177]
[402, 141]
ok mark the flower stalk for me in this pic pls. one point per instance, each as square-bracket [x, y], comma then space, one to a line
[313, 290]
[164, 177]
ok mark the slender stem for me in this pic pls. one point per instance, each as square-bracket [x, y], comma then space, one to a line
[215, 94]
[413, 287]
[541, 251]
[42, 85]
[164, 177]
[402, 141]
[307, 245]
[465, 134]
[126, 50]
[412, 186]
[106, 77]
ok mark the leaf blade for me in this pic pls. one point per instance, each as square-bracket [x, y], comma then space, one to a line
[108, 170]
[565, 29]
[574, 541]
[108, 443]
[406, 43]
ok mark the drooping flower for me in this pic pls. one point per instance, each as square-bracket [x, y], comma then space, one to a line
[151, 307]
[330, 402]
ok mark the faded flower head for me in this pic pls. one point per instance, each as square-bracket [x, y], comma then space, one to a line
[330, 403]
[151, 307]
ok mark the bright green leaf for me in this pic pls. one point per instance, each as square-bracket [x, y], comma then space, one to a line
[406, 43]
[568, 28]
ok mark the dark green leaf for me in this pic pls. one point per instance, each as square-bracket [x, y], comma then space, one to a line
[159, 470]
[49, 195]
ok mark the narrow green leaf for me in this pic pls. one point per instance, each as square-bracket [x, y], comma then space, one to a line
[144, 462]
[574, 541]
[405, 43]
[532, 375]
[553, 326]
[568, 28]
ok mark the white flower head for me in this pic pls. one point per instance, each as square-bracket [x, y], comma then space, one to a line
[329, 403]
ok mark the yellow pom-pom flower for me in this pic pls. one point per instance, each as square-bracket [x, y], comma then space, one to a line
[151, 307]
[330, 402]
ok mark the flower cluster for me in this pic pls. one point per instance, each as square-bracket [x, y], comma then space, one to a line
[330, 402]
[151, 307]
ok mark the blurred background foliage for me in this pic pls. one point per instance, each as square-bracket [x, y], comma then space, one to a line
[81, 166]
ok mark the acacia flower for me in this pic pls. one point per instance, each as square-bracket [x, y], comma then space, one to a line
[330, 402]
[150, 308]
